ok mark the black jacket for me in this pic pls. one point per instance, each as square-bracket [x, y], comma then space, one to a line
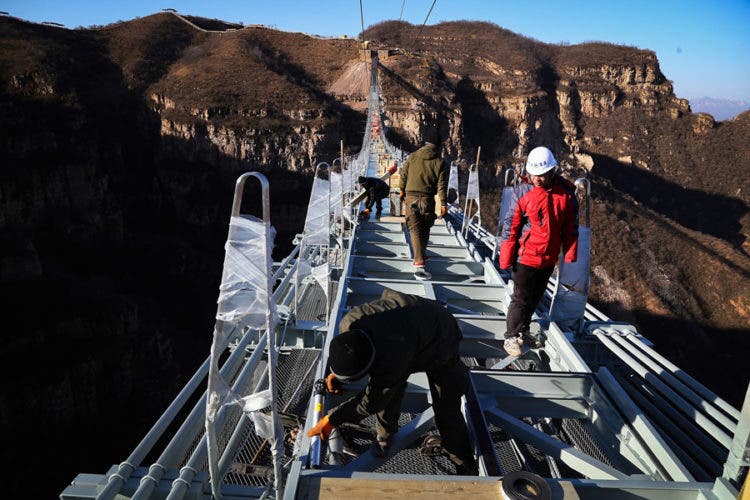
[376, 189]
[410, 334]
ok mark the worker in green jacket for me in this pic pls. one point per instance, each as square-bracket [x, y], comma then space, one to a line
[424, 175]
[390, 339]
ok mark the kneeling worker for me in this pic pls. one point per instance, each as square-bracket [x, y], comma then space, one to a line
[376, 190]
[390, 339]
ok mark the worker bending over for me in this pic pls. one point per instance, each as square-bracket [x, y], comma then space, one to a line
[543, 216]
[390, 339]
[424, 175]
[376, 190]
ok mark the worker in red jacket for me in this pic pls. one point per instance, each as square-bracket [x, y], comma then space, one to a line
[543, 216]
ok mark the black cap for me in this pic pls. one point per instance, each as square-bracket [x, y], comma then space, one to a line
[350, 355]
[432, 135]
[361, 179]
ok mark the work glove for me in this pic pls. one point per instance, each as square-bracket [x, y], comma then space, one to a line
[443, 211]
[322, 430]
[402, 196]
[333, 384]
[364, 214]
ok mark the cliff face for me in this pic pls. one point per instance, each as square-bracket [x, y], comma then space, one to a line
[119, 148]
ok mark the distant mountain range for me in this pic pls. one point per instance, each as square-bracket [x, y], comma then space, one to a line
[721, 109]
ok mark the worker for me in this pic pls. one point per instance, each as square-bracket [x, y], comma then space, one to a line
[376, 190]
[390, 339]
[424, 175]
[542, 217]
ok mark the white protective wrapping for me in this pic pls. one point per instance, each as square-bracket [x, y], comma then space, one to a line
[317, 227]
[337, 188]
[244, 302]
[317, 232]
[453, 180]
[319, 272]
[572, 290]
[472, 189]
[504, 206]
[346, 179]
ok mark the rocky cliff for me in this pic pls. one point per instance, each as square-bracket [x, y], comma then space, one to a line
[119, 147]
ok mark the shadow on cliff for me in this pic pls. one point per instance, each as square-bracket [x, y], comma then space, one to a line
[111, 259]
[439, 108]
[414, 91]
[279, 63]
[709, 213]
[551, 132]
[483, 125]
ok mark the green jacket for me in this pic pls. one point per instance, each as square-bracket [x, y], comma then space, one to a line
[426, 172]
[410, 334]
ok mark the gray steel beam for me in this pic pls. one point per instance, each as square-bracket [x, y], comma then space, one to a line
[692, 439]
[682, 389]
[573, 458]
[717, 433]
[739, 451]
[563, 351]
[685, 378]
[651, 439]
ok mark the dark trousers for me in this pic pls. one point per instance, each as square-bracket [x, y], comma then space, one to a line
[447, 384]
[420, 216]
[529, 284]
[378, 202]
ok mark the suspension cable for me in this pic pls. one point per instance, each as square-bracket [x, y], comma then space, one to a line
[362, 23]
[426, 18]
[401, 16]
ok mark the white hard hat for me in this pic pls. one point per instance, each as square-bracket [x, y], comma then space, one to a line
[540, 161]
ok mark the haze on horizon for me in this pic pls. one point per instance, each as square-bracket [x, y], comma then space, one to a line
[702, 46]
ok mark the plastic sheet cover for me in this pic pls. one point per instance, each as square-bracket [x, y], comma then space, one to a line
[317, 228]
[453, 179]
[472, 189]
[504, 206]
[245, 301]
[347, 179]
[317, 232]
[337, 189]
[572, 290]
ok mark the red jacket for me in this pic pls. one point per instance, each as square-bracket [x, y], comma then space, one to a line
[537, 223]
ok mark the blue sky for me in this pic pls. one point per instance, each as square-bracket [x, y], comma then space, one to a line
[703, 46]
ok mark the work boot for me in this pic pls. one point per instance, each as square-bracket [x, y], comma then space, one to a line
[531, 340]
[381, 446]
[432, 446]
[377, 215]
[467, 469]
[420, 273]
[512, 346]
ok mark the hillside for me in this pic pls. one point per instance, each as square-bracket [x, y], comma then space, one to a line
[119, 147]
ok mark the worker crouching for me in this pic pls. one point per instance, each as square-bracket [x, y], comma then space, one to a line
[390, 339]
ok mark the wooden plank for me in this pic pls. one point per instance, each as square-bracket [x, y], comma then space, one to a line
[331, 488]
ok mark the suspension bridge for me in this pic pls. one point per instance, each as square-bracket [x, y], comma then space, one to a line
[594, 413]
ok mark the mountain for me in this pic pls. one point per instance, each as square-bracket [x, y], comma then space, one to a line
[119, 147]
[720, 109]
